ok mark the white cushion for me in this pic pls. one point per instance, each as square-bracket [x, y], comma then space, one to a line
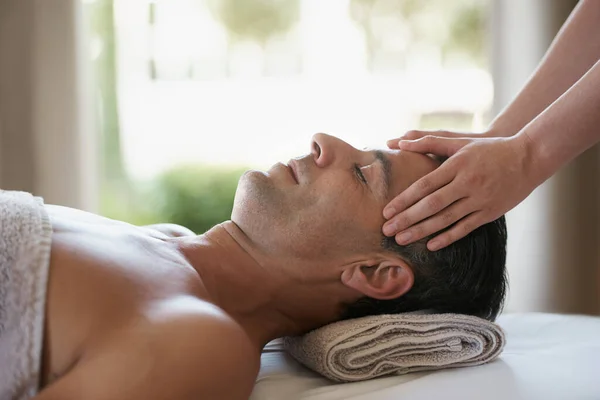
[547, 356]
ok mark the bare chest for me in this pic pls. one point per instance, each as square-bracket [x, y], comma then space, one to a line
[104, 276]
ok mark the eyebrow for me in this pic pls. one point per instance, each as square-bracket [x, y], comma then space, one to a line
[387, 171]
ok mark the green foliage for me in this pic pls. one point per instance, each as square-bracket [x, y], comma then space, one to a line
[102, 29]
[256, 20]
[464, 30]
[468, 31]
[197, 197]
[135, 205]
[114, 183]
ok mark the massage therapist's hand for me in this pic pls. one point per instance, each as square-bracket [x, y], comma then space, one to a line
[482, 179]
[418, 134]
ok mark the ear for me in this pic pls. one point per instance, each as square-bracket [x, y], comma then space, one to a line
[386, 279]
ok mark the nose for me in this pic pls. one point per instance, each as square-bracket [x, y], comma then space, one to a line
[326, 148]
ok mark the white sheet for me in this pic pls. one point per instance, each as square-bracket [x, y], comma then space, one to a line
[547, 356]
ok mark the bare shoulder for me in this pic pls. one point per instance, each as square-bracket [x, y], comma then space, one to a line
[184, 349]
[207, 349]
[171, 230]
[189, 324]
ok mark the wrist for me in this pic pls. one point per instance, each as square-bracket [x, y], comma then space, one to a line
[536, 163]
[496, 129]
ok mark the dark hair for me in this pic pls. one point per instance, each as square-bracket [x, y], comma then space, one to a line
[467, 277]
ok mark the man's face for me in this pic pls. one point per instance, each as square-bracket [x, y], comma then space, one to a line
[328, 205]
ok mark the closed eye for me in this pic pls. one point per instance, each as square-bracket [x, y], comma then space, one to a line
[360, 174]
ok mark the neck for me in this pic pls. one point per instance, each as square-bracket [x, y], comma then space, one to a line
[265, 298]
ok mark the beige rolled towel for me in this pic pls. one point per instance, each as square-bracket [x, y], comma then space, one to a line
[369, 347]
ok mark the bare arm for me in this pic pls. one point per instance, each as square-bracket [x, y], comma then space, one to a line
[567, 128]
[182, 359]
[553, 119]
[573, 52]
[575, 49]
[472, 189]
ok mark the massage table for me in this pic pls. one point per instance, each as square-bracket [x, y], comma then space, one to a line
[547, 356]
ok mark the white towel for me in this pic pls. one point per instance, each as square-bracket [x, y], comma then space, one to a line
[369, 347]
[25, 238]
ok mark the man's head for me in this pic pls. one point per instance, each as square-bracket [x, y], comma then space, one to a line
[324, 212]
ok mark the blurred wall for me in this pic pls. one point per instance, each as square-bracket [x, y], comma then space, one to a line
[46, 144]
[16, 132]
[554, 235]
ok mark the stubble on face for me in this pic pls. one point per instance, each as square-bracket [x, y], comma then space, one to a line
[303, 225]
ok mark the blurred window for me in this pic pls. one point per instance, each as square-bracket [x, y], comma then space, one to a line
[192, 92]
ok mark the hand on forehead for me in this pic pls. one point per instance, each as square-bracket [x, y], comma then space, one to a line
[406, 168]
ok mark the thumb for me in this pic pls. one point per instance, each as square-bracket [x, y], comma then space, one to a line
[439, 146]
[393, 143]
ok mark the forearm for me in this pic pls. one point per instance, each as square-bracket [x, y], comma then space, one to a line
[573, 52]
[566, 128]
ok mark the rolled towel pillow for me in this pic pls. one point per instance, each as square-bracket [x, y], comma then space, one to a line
[369, 347]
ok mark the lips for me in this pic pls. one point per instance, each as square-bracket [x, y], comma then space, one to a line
[293, 170]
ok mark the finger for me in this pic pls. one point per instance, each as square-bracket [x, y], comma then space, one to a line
[416, 134]
[457, 232]
[429, 183]
[393, 143]
[423, 209]
[434, 144]
[436, 223]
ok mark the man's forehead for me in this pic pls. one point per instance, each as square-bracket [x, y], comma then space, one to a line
[407, 167]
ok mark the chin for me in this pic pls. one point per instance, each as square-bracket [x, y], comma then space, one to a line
[259, 208]
[251, 196]
[250, 185]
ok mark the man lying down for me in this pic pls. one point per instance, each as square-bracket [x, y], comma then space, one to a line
[158, 312]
